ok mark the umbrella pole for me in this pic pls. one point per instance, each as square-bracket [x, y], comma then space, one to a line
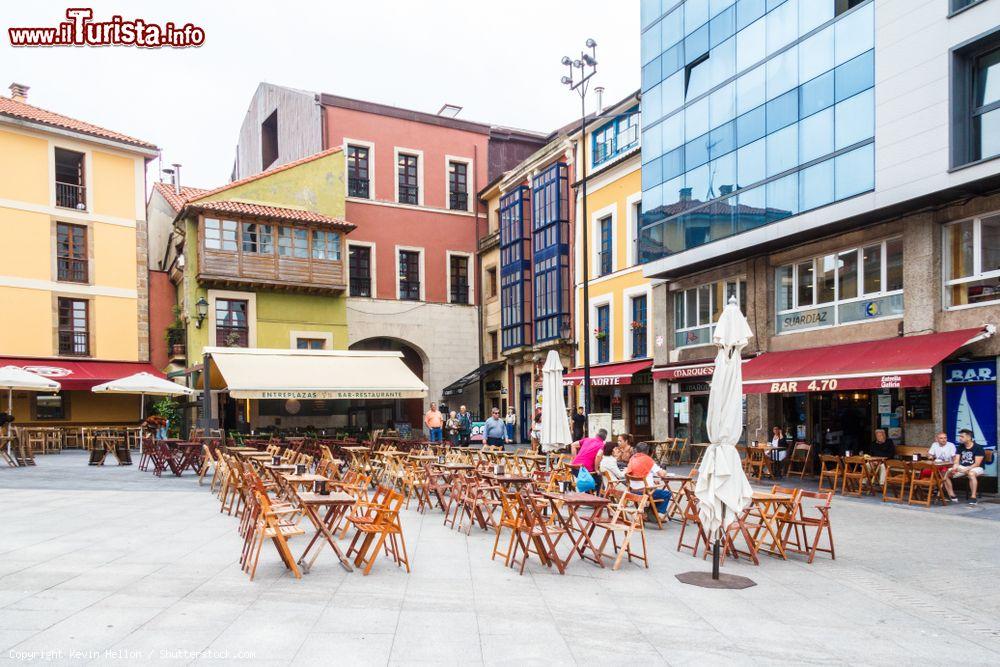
[715, 549]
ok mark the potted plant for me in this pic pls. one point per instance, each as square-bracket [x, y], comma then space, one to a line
[175, 334]
[600, 334]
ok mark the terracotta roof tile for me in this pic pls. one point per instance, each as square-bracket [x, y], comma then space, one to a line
[274, 170]
[15, 109]
[270, 212]
[175, 200]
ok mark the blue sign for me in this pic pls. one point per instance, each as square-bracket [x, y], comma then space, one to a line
[971, 401]
[971, 371]
[871, 309]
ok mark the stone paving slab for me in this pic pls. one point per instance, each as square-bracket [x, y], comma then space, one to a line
[105, 565]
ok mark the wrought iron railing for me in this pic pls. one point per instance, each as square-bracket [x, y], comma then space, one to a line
[71, 195]
[72, 270]
[74, 343]
[357, 187]
[409, 290]
[361, 286]
[458, 201]
[408, 194]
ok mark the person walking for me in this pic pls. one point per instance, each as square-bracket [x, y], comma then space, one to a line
[495, 430]
[579, 421]
[536, 432]
[434, 421]
[464, 426]
[511, 421]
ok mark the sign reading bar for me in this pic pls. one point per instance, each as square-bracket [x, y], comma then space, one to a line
[834, 384]
[324, 395]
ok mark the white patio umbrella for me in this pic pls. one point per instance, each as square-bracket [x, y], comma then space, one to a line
[13, 378]
[143, 384]
[722, 489]
[555, 426]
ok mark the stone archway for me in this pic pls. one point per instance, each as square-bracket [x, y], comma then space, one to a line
[409, 410]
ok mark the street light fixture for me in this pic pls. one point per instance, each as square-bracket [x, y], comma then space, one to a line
[201, 312]
[578, 78]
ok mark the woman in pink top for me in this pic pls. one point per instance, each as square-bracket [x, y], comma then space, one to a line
[587, 450]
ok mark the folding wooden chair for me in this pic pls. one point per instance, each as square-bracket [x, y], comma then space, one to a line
[855, 476]
[271, 525]
[384, 530]
[634, 484]
[925, 488]
[757, 464]
[818, 522]
[897, 476]
[692, 517]
[627, 518]
[830, 470]
[510, 518]
[799, 459]
[535, 531]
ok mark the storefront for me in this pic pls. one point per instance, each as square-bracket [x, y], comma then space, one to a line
[623, 390]
[689, 384]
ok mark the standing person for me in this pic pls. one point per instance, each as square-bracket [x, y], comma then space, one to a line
[968, 462]
[452, 427]
[511, 421]
[495, 430]
[434, 420]
[579, 421]
[464, 426]
[536, 432]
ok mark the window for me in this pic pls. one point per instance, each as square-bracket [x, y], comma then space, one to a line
[458, 269]
[843, 287]
[638, 326]
[617, 137]
[634, 230]
[357, 172]
[231, 326]
[494, 350]
[696, 77]
[697, 309]
[71, 253]
[491, 282]
[604, 246]
[976, 95]
[515, 268]
[409, 275]
[310, 343]
[269, 140]
[326, 245]
[51, 407]
[408, 183]
[360, 267]
[71, 191]
[74, 321]
[458, 186]
[841, 6]
[220, 234]
[602, 334]
[293, 242]
[550, 252]
[972, 261]
[258, 239]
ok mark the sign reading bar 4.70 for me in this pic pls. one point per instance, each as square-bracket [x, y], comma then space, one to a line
[804, 385]
[322, 395]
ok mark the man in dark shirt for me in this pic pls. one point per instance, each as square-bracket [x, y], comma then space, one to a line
[882, 446]
[579, 421]
[968, 462]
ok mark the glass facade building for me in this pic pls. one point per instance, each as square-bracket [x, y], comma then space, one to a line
[753, 111]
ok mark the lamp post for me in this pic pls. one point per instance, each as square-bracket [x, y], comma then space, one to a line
[580, 72]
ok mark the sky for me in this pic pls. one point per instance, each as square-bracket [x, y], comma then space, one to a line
[500, 61]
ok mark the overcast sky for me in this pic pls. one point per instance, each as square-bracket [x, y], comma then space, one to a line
[500, 61]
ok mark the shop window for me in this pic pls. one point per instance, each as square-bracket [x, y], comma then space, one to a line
[51, 407]
[972, 262]
[697, 309]
[839, 288]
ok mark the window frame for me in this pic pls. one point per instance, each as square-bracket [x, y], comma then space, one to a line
[978, 274]
[610, 135]
[740, 282]
[354, 164]
[370, 248]
[222, 230]
[226, 329]
[82, 191]
[64, 405]
[291, 233]
[67, 304]
[602, 347]
[450, 257]
[421, 286]
[515, 289]
[418, 175]
[326, 242]
[638, 334]
[450, 160]
[255, 239]
[961, 108]
[71, 257]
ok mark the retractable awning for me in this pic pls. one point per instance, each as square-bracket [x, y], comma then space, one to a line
[461, 383]
[314, 374]
[80, 375]
[608, 374]
[889, 363]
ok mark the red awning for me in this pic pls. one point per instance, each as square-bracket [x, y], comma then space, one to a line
[683, 370]
[892, 362]
[80, 375]
[608, 374]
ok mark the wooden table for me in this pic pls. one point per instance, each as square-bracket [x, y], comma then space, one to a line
[574, 524]
[337, 503]
[682, 481]
[190, 456]
[301, 480]
[768, 506]
[505, 481]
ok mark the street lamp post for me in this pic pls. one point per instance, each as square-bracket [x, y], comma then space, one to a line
[580, 73]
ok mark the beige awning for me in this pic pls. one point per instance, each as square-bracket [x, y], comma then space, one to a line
[315, 374]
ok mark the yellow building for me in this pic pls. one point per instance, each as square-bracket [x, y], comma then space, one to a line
[494, 373]
[73, 265]
[619, 306]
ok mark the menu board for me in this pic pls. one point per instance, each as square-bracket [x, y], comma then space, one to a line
[918, 403]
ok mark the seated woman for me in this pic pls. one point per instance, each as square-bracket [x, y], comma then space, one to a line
[624, 450]
[778, 440]
[607, 462]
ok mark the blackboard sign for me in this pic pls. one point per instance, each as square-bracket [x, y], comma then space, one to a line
[918, 403]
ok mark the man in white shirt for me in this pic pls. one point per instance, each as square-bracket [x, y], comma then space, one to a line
[942, 451]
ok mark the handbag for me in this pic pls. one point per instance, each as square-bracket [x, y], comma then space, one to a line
[585, 481]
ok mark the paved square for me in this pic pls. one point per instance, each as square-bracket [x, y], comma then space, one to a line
[103, 565]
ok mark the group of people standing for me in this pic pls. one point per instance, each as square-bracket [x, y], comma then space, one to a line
[457, 426]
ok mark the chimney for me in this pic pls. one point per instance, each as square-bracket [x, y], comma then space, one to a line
[685, 194]
[599, 91]
[177, 178]
[19, 92]
[725, 190]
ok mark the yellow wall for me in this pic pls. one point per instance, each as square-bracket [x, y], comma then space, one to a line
[116, 328]
[26, 246]
[113, 184]
[114, 256]
[30, 333]
[85, 407]
[24, 168]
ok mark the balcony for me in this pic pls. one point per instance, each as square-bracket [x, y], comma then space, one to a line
[71, 195]
[458, 201]
[74, 344]
[409, 194]
[357, 187]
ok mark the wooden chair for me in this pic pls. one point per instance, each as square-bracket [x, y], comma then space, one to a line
[756, 463]
[691, 516]
[627, 518]
[634, 484]
[535, 531]
[510, 518]
[272, 525]
[897, 475]
[797, 538]
[855, 476]
[385, 530]
[799, 459]
[830, 470]
[679, 450]
[925, 488]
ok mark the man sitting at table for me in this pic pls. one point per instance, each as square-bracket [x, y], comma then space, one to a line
[942, 451]
[882, 447]
[585, 453]
[643, 466]
[968, 462]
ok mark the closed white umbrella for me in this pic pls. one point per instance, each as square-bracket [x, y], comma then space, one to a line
[143, 384]
[555, 426]
[722, 489]
[14, 379]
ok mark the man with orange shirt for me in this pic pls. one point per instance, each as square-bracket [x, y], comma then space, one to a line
[642, 466]
[434, 420]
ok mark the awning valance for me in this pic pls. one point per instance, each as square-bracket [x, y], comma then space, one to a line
[683, 370]
[608, 374]
[461, 383]
[80, 375]
[889, 363]
[315, 374]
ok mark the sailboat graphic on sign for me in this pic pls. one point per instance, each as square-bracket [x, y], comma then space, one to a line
[965, 418]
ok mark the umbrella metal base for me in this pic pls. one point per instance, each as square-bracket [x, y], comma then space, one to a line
[705, 580]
